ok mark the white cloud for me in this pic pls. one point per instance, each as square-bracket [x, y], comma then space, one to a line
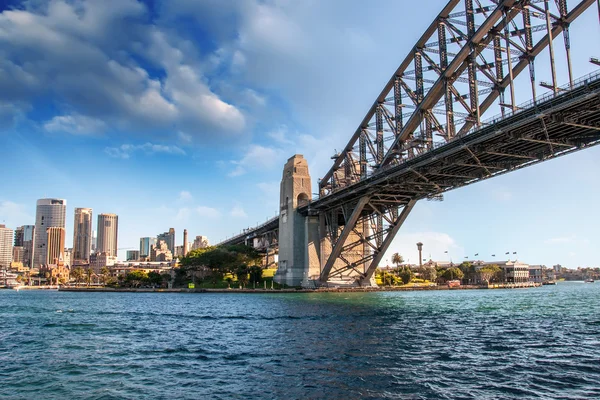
[91, 57]
[185, 196]
[183, 214]
[75, 124]
[279, 135]
[208, 212]
[13, 214]
[238, 212]
[125, 150]
[257, 157]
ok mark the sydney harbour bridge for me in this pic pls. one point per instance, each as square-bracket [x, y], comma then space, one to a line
[448, 117]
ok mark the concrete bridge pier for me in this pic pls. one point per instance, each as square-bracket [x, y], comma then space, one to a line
[299, 249]
[304, 247]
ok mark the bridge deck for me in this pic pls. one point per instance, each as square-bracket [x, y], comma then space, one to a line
[549, 128]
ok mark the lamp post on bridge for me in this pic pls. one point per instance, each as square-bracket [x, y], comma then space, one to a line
[420, 247]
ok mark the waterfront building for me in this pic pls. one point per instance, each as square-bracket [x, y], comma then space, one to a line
[514, 271]
[17, 254]
[99, 260]
[168, 238]
[50, 213]
[55, 240]
[82, 235]
[6, 247]
[536, 273]
[201, 242]
[146, 244]
[58, 274]
[133, 255]
[108, 228]
[161, 252]
[25, 238]
[68, 257]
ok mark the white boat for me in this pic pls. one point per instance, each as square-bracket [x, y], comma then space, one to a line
[589, 280]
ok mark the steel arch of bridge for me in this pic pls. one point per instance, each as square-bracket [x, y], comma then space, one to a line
[464, 64]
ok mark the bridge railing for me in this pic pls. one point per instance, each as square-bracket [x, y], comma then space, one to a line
[248, 231]
[523, 107]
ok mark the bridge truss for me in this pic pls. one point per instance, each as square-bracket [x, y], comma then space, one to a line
[425, 133]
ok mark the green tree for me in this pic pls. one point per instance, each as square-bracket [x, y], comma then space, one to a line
[489, 273]
[105, 275]
[453, 273]
[256, 273]
[89, 272]
[135, 278]
[406, 275]
[154, 278]
[166, 278]
[77, 274]
[242, 272]
[397, 259]
[220, 260]
[428, 272]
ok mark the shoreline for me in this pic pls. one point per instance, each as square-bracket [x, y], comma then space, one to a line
[321, 290]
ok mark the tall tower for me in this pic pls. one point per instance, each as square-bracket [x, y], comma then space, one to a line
[185, 243]
[168, 238]
[6, 247]
[82, 235]
[108, 228]
[49, 213]
[55, 245]
[299, 243]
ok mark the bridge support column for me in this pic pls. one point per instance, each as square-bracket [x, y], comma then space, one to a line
[297, 242]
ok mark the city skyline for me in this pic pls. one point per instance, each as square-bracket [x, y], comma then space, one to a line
[220, 162]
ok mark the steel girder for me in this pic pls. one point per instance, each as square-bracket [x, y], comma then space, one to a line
[367, 229]
[467, 58]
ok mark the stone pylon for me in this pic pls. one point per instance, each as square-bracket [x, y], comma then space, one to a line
[299, 242]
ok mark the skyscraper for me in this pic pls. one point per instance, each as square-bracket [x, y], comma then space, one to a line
[24, 237]
[19, 232]
[146, 246]
[168, 238]
[49, 213]
[6, 246]
[55, 245]
[82, 235]
[108, 228]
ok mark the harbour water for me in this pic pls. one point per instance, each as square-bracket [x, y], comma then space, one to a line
[472, 344]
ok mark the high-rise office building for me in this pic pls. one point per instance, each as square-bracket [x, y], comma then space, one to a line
[201, 242]
[55, 245]
[24, 237]
[108, 228]
[50, 213]
[146, 246]
[17, 254]
[168, 238]
[133, 255]
[19, 233]
[6, 246]
[82, 235]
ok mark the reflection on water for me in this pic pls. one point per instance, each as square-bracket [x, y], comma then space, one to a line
[534, 343]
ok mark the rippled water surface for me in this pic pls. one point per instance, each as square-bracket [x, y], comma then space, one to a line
[494, 344]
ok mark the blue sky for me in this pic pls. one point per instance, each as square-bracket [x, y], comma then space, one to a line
[181, 114]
